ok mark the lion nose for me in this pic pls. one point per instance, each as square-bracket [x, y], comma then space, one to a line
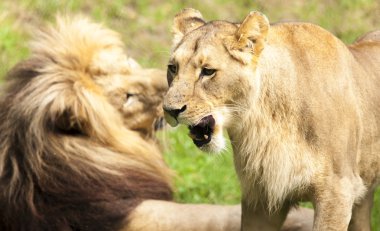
[174, 112]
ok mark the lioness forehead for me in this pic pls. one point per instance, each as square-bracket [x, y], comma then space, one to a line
[207, 38]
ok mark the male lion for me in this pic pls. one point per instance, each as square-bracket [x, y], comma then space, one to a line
[67, 160]
[300, 107]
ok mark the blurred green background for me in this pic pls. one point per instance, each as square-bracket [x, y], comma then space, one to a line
[145, 28]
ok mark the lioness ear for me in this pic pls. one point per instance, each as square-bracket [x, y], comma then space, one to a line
[250, 37]
[185, 21]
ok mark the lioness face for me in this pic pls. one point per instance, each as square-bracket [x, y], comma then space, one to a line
[210, 73]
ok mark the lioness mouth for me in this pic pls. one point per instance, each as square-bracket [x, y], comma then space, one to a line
[201, 133]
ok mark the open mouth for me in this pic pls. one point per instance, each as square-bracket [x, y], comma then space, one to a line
[202, 132]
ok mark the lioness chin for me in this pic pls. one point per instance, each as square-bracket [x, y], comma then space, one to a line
[300, 107]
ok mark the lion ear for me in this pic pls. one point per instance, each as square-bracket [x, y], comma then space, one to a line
[185, 21]
[250, 37]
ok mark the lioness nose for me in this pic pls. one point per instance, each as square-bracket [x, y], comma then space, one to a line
[174, 112]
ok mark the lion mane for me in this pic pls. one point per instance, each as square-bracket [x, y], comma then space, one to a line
[67, 162]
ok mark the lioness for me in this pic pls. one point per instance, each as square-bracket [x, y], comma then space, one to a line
[301, 109]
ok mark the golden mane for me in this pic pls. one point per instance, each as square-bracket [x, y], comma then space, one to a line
[67, 162]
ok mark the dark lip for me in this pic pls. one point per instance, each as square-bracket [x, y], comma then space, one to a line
[159, 123]
[202, 132]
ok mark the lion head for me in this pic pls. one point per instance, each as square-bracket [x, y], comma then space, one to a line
[67, 160]
[139, 99]
[205, 90]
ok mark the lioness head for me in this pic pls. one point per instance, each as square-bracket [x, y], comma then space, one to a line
[211, 70]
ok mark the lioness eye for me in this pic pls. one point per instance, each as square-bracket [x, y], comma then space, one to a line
[172, 68]
[207, 72]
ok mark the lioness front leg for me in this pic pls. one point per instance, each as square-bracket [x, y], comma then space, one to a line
[333, 211]
[258, 218]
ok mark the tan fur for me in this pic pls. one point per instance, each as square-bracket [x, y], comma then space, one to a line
[300, 110]
[167, 216]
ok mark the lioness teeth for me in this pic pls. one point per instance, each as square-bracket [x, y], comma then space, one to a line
[205, 136]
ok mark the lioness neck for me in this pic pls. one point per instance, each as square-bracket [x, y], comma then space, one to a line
[267, 136]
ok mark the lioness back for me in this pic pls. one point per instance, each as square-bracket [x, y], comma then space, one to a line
[366, 52]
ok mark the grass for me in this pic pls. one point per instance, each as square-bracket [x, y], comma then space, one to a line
[201, 177]
[145, 28]
[11, 43]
